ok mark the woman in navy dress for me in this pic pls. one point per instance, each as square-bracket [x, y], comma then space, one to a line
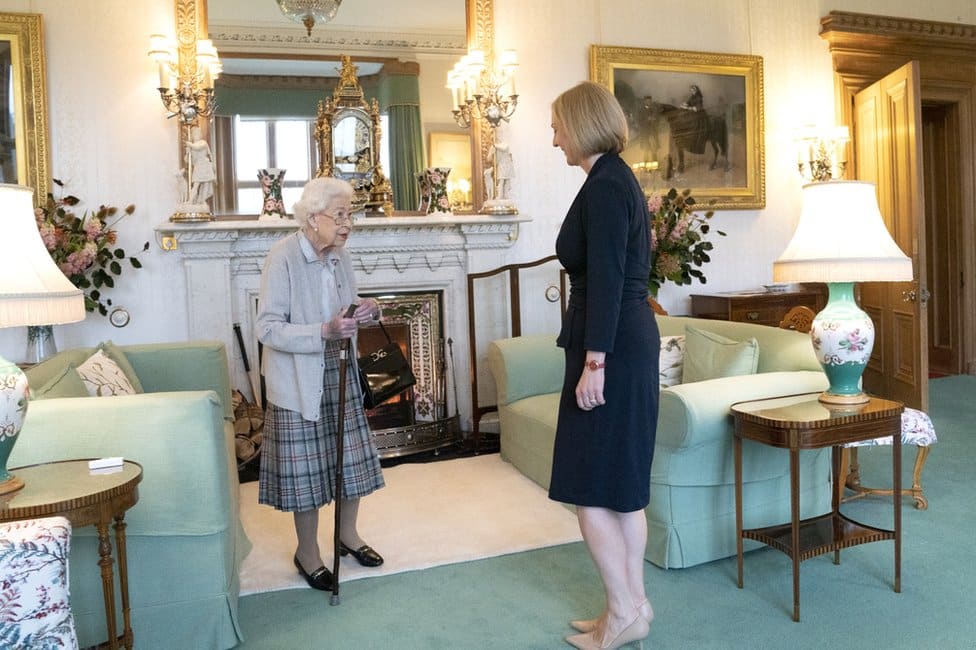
[608, 408]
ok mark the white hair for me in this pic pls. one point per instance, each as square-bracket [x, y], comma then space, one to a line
[318, 194]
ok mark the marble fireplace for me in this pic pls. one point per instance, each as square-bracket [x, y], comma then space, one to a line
[400, 260]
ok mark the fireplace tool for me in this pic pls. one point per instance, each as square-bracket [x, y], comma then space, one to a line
[340, 431]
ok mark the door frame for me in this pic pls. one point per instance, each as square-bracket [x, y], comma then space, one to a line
[865, 48]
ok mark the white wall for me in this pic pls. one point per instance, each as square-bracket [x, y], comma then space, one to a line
[111, 143]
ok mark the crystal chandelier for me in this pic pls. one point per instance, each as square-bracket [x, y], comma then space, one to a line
[308, 12]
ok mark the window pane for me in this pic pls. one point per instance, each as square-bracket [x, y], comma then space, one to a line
[290, 196]
[249, 200]
[291, 148]
[251, 140]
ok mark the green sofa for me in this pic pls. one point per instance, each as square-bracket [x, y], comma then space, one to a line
[691, 515]
[185, 542]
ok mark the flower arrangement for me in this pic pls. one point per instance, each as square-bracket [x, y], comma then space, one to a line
[84, 247]
[677, 239]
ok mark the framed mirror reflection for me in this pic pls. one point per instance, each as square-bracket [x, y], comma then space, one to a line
[403, 52]
[23, 104]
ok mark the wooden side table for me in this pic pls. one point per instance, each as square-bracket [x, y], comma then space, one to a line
[763, 308]
[802, 422]
[68, 488]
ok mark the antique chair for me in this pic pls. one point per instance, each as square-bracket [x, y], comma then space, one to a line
[799, 318]
[916, 429]
[34, 610]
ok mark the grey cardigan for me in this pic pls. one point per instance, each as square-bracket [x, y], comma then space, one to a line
[289, 324]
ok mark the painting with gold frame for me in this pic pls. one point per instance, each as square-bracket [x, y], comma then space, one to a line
[695, 119]
[23, 104]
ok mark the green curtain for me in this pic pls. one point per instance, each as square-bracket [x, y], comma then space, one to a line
[406, 155]
[399, 97]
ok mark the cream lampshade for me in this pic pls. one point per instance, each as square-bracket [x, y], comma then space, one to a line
[842, 239]
[33, 291]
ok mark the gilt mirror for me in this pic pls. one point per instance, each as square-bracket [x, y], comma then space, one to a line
[423, 38]
[23, 97]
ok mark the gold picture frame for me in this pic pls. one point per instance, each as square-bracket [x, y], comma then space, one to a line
[23, 41]
[682, 107]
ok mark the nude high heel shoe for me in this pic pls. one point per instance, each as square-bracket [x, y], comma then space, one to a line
[590, 624]
[636, 631]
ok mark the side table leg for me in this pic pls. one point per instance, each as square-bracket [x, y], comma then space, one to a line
[108, 581]
[737, 454]
[896, 489]
[795, 528]
[123, 579]
[835, 465]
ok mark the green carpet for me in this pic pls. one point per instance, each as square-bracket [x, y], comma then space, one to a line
[525, 600]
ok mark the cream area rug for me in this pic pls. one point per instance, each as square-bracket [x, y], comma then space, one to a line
[429, 514]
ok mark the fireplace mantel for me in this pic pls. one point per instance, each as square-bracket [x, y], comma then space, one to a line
[222, 262]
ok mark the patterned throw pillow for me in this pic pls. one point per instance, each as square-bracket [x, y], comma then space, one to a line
[672, 360]
[104, 377]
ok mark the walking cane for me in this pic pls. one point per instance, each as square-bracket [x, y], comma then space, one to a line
[340, 430]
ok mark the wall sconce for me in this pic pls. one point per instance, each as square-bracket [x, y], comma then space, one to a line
[482, 91]
[479, 89]
[186, 88]
[821, 153]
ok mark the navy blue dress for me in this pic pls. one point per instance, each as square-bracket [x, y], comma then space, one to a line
[602, 458]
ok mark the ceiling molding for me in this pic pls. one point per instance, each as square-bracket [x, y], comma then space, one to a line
[251, 38]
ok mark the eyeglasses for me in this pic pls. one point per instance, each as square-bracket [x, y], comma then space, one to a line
[341, 218]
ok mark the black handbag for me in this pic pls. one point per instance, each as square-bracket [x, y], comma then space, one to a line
[384, 373]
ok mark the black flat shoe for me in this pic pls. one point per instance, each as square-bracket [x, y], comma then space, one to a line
[320, 579]
[365, 554]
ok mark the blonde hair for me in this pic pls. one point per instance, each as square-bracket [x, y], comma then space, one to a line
[592, 119]
[317, 194]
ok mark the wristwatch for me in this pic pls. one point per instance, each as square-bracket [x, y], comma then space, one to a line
[595, 365]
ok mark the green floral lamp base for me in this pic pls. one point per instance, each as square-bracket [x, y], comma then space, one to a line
[13, 409]
[843, 337]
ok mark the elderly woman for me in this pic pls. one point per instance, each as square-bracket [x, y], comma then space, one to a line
[307, 288]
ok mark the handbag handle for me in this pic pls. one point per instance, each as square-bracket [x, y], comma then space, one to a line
[385, 333]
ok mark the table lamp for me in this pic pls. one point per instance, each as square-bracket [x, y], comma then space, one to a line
[842, 239]
[33, 291]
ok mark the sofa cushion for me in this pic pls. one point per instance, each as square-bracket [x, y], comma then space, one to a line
[104, 377]
[116, 354]
[709, 356]
[67, 383]
[672, 360]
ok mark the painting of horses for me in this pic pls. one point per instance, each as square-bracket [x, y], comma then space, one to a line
[695, 121]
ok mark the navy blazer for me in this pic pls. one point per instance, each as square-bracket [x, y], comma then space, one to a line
[605, 247]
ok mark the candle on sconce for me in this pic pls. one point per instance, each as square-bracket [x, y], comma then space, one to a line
[163, 76]
[509, 64]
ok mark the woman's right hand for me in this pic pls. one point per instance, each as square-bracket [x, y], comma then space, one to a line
[339, 327]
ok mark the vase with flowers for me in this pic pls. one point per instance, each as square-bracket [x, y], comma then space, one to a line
[85, 250]
[678, 239]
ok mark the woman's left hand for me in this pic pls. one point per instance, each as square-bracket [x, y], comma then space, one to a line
[589, 390]
[368, 311]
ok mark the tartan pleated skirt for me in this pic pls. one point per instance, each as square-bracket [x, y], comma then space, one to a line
[298, 457]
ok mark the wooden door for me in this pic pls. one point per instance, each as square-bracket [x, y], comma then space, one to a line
[944, 236]
[887, 151]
